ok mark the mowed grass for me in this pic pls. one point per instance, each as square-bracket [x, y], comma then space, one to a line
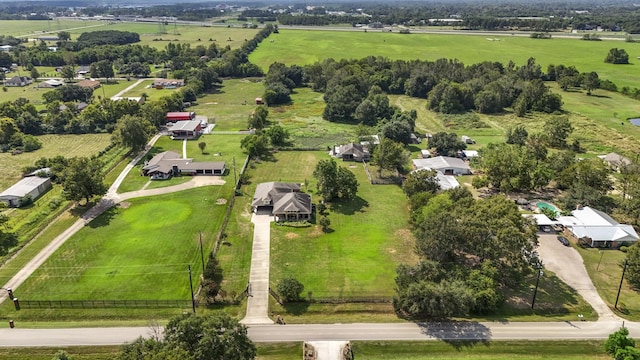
[265, 351]
[52, 145]
[139, 250]
[145, 88]
[369, 237]
[495, 350]
[302, 47]
[231, 104]
[606, 275]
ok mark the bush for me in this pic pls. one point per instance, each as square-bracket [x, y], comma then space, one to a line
[624, 249]
[324, 222]
[30, 143]
[290, 289]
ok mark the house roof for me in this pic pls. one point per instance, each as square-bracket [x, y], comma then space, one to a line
[24, 186]
[470, 153]
[595, 224]
[293, 202]
[18, 79]
[375, 139]
[269, 192]
[50, 83]
[165, 161]
[190, 125]
[353, 149]
[205, 165]
[158, 162]
[89, 83]
[446, 181]
[541, 219]
[615, 159]
[440, 162]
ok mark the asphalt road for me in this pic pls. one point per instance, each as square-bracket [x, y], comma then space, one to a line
[480, 332]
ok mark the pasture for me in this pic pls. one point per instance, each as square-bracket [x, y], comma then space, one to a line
[52, 145]
[158, 36]
[144, 87]
[35, 28]
[302, 47]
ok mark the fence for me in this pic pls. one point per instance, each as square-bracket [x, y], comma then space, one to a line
[103, 304]
[336, 300]
[377, 181]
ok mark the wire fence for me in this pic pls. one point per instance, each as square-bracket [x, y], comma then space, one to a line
[103, 304]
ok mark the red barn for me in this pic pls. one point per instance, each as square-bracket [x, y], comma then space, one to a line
[180, 116]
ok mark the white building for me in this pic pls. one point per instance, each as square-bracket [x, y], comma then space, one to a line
[445, 164]
[32, 186]
[598, 227]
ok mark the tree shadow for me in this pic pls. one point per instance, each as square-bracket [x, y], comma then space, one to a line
[103, 219]
[296, 308]
[414, 148]
[600, 96]
[350, 207]
[459, 334]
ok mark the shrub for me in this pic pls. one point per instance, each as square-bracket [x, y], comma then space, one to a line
[289, 289]
[624, 249]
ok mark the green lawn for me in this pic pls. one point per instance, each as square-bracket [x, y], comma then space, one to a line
[231, 104]
[52, 145]
[266, 351]
[139, 250]
[370, 237]
[606, 278]
[145, 88]
[302, 47]
[494, 350]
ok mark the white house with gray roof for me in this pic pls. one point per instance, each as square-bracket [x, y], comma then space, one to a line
[444, 164]
[598, 228]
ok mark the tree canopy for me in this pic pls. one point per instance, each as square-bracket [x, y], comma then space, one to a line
[83, 178]
[133, 132]
[335, 182]
[446, 144]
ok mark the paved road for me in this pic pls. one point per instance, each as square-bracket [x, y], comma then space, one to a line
[484, 331]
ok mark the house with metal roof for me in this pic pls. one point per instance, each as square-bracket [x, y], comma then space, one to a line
[597, 228]
[351, 152]
[27, 188]
[445, 164]
[167, 164]
[185, 129]
[282, 200]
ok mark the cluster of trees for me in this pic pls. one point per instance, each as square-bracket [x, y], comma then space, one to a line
[11, 137]
[215, 336]
[102, 37]
[617, 56]
[257, 145]
[8, 238]
[448, 85]
[470, 252]
[621, 346]
[280, 82]
[335, 182]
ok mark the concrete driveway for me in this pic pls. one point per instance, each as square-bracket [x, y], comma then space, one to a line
[567, 263]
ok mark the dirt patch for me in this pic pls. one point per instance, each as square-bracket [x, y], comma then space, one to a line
[391, 250]
[291, 235]
[124, 205]
[221, 201]
[317, 231]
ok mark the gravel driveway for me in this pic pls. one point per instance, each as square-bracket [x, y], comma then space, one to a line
[567, 263]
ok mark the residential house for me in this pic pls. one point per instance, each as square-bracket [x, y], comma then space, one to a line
[445, 164]
[282, 200]
[79, 106]
[167, 83]
[167, 164]
[446, 182]
[28, 187]
[83, 70]
[351, 152]
[185, 129]
[597, 229]
[18, 81]
[615, 161]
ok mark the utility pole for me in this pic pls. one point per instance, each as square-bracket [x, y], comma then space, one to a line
[202, 254]
[193, 299]
[624, 269]
[535, 291]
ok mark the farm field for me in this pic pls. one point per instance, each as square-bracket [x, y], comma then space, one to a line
[120, 257]
[52, 145]
[156, 36]
[292, 47]
[35, 28]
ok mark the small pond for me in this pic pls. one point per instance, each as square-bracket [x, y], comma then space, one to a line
[635, 121]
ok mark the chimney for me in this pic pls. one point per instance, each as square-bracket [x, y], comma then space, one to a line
[579, 207]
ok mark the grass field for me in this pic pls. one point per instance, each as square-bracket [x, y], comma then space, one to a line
[302, 47]
[145, 88]
[494, 350]
[231, 104]
[159, 36]
[266, 351]
[52, 145]
[118, 256]
[35, 28]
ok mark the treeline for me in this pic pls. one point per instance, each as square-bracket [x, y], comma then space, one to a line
[105, 37]
[321, 20]
[448, 85]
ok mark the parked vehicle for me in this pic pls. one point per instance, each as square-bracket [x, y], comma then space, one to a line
[563, 240]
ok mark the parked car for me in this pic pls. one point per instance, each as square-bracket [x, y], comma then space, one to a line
[563, 240]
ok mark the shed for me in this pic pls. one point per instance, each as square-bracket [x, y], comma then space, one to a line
[32, 186]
